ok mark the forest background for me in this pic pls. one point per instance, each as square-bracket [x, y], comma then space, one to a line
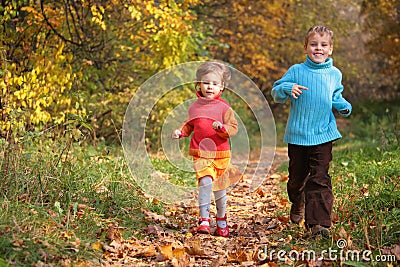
[70, 68]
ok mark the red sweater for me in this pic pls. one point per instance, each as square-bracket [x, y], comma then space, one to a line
[207, 142]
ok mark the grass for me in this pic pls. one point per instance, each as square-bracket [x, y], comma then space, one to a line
[59, 193]
[365, 175]
[58, 196]
[176, 175]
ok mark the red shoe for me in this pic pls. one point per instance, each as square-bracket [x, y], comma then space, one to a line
[204, 229]
[224, 232]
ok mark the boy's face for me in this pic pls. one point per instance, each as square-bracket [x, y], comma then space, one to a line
[319, 47]
[211, 85]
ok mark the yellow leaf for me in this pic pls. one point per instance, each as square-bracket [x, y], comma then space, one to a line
[166, 251]
[179, 253]
[97, 246]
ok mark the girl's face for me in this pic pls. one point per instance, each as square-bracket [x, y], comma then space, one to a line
[319, 47]
[211, 85]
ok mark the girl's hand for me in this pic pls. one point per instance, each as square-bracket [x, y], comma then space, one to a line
[297, 90]
[217, 125]
[176, 134]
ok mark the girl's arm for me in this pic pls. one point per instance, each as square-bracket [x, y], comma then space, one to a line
[230, 126]
[187, 128]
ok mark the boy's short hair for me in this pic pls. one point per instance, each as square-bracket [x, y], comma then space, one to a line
[318, 29]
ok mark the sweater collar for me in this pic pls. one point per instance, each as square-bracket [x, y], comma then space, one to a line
[326, 65]
[204, 100]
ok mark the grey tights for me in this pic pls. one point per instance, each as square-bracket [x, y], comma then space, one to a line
[205, 188]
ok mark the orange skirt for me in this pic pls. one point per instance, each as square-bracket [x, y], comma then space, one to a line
[220, 170]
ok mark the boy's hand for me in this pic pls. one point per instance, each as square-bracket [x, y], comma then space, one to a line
[176, 134]
[217, 125]
[297, 90]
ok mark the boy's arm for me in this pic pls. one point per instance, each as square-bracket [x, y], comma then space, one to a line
[282, 88]
[230, 125]
[339, 102]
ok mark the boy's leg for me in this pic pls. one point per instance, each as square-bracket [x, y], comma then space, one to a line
[318, 189]
[298, 172]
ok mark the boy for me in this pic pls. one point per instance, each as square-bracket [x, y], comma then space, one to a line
[314, 88]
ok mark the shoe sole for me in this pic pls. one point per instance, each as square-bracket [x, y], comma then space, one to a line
[322, 232]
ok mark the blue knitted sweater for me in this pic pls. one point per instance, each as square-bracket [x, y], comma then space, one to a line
[311, 120]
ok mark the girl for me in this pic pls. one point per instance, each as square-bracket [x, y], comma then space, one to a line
[212, 122]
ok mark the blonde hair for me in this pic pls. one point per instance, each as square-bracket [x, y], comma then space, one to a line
[320, 30]
[220, 69]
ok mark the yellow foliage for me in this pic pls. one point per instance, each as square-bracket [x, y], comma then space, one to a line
[97, 13]
[168, 33]
[40, 96]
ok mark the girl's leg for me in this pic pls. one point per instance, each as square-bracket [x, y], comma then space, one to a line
[205, 188]
[220, 203]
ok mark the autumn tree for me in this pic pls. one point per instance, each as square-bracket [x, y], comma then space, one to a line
[37, 75]
[381, 25]
[264, 38]
[87, 57]
[246, 34]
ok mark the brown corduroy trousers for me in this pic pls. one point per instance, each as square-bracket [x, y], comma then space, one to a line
[309, 179]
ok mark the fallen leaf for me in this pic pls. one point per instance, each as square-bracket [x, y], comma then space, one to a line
[284, 201]
[154, 229]
[335, 218]
[260, 192]
[217, 262]
[65, 235]
[113, 234]
[109, 248]
[154, 217]
[283, 219]
[97, 246]
[193, 247]
[275, 176]
[238, 256]
[396, 251]
[271, 225]
[115, 244]
[76, 243]
[166, 251]
[179, 252]
[259, 219]
[145, 251]
[342, 233]
[23, 197]
[19, 243]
